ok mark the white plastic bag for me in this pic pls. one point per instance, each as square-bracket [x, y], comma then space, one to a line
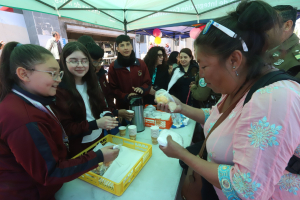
[162, 96]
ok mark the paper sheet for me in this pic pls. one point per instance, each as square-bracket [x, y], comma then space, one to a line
[126, 159]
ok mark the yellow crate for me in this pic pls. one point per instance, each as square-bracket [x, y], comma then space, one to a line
[111, 186]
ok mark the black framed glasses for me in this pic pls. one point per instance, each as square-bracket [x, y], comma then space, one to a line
[226, 30]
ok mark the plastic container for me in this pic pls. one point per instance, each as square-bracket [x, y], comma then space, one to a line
[165, 124]
[111, 186]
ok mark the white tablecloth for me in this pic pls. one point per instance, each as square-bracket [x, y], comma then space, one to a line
[158, 179]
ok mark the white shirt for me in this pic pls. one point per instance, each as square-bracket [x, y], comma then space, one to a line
[82, 89]
[52, 46]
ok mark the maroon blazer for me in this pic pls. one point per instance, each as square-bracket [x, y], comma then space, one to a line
[122, 80]
[106, 89]
[76, 126]
[33, 156]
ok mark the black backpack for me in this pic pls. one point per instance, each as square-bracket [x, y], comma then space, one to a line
[272, 77]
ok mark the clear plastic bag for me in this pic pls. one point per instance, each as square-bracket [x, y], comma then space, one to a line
[162, 96]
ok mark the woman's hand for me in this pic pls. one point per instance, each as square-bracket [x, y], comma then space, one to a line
[192, 84]
[125, 114]
[170, 70]
[165, 107]
[2, 44]
[173, 149]
[109, 153]
[107, 122]
[152, 91]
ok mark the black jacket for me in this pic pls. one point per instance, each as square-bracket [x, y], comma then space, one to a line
[181, 88]
[161, 82]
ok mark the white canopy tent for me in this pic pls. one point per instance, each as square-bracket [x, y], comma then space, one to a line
[134, 14]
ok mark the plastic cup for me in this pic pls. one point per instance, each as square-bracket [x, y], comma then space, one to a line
[132, 132]
[154, 134]
[131, 112]
[122, 130]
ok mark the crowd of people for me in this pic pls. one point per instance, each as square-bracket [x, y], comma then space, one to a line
[56, 102]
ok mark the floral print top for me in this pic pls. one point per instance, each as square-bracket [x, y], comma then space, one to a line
[255, 142]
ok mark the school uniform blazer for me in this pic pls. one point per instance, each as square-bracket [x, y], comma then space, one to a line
[122, 80]
[76, 126]
[105, 87]
[33, 162]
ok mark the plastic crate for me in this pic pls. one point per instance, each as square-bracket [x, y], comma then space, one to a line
[165, 124]
[111, 186]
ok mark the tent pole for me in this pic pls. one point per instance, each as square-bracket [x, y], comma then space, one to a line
[46, 4]
[103, 9]
[158, 11]
[125, 23]
[195, 7]
[60, 7]
[125, 27]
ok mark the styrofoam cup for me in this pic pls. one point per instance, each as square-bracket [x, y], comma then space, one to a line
[122, 130]
[154, 134]
[132, 132]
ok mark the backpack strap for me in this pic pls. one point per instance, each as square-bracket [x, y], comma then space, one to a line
[294, 165]
[294, 70]
[268, 79]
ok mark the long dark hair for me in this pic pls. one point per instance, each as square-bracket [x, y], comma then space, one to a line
[173, 58]
[151, 59]
[249, 21]
[93, 88]
[15, 55]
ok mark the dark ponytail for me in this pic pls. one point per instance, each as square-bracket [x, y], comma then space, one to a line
[15, 55]
[94, 50]
[250, 21]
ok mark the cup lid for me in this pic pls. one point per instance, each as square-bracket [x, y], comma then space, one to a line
[154, 127]
[132, 126]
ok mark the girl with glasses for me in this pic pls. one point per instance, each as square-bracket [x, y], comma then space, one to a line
[96, 54]
[33, 144]
[252, 142]
[156, 61]
[80, 103]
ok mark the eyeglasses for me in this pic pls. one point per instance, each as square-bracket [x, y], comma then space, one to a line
[83, 62]
[229, 32]
[96, 63]
[54, 74]
[160, 55]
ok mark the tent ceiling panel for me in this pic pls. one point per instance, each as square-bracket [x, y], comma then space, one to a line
[95, 31]
[139, 14]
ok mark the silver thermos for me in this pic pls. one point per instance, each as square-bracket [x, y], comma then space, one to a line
[136, 104]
